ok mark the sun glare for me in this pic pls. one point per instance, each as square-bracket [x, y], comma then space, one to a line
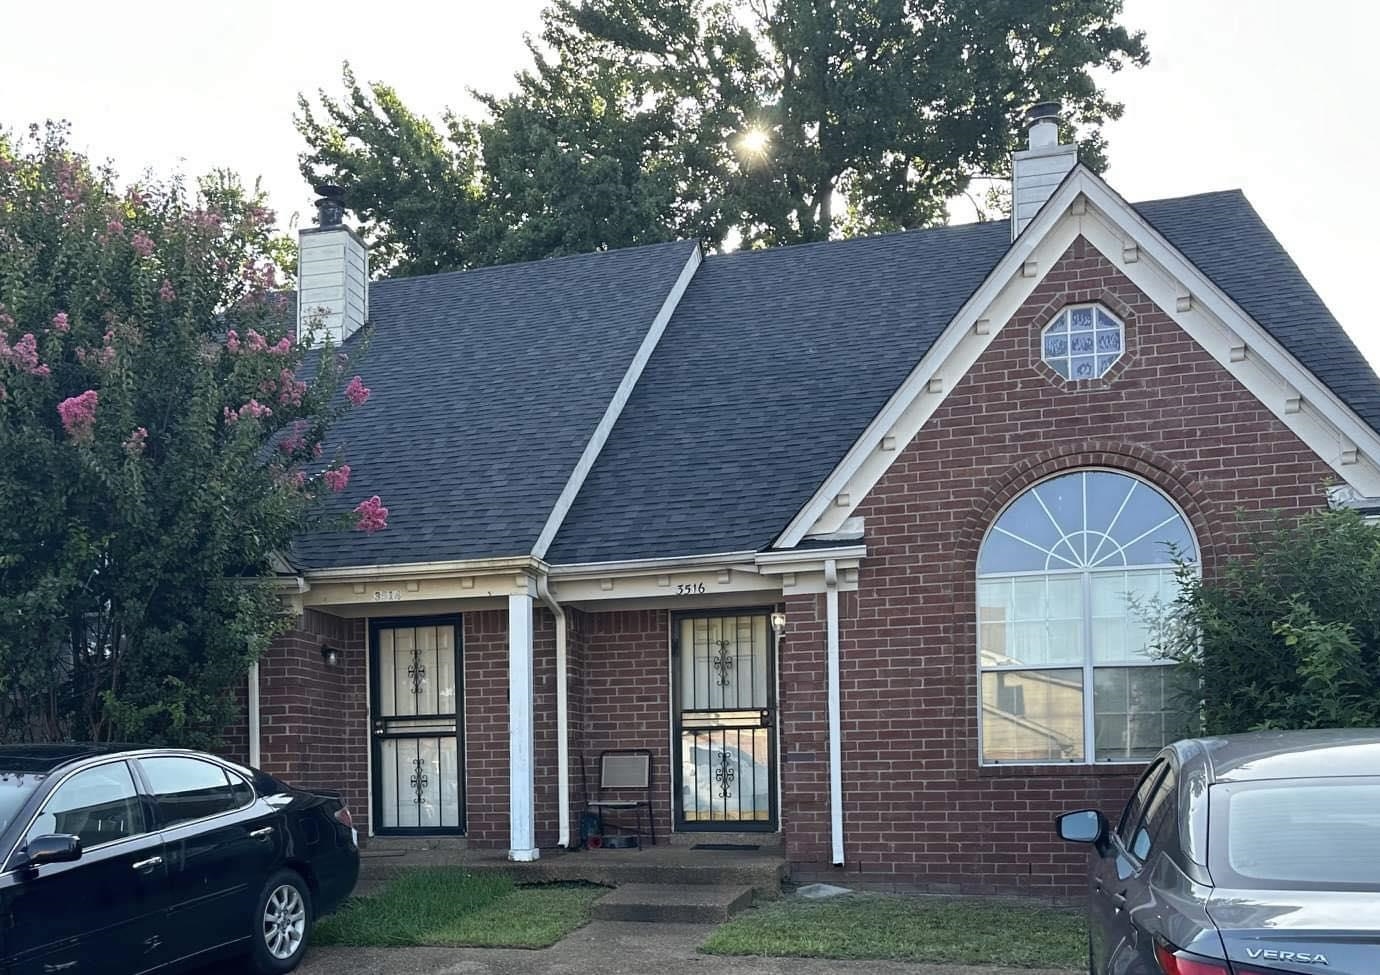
[754, 142]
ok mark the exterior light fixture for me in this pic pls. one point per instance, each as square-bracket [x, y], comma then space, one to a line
[778, 624]
[330, 654]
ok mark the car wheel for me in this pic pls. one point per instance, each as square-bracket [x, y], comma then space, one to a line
[282, 924]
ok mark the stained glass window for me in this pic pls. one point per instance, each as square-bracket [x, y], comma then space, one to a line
[1074, 578]
[1083, 342]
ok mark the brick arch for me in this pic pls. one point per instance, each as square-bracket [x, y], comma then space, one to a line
[1173, 479]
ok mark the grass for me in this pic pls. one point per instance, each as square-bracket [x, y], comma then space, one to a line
[447, 906]
[876, 927]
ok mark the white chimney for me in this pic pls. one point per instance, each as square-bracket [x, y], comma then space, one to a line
[332, 273]
[1037, 172]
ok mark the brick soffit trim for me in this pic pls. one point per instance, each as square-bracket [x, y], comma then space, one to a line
[1084, 205]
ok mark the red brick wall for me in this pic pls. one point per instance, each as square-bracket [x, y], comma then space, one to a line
[485, 656]
[315, 728]
[918, 807]
[627, 688]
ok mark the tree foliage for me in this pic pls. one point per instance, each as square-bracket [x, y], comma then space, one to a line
[1287, 635]
[755, 122]
[158, 443]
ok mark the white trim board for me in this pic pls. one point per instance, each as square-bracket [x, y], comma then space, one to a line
[615, 407]
[1084, 205]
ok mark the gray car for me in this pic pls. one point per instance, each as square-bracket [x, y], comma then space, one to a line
[1244, 855]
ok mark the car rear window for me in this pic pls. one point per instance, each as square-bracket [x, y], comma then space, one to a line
[1296, 834]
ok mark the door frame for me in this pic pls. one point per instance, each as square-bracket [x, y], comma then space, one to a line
[376, 827]
[679, 823]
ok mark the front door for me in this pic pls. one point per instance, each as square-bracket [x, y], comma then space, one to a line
[415, 701]
[724, 667]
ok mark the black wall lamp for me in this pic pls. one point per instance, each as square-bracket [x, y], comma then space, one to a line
[330, 654]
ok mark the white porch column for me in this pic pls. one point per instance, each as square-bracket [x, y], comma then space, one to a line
[522, 836]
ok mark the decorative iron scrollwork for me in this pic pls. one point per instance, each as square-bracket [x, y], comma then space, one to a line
[417, 672]
[723, 663]
[725, 774]
[418, 780]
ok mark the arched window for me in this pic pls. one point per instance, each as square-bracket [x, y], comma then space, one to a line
[1071, 577]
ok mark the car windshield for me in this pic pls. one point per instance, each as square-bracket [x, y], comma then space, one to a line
[15, 789]
[1296, 834]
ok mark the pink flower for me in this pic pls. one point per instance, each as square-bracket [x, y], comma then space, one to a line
[232, 340]
[283, 346]
[292, 390]
[166, 292]
[373, 516]
[338, 478]
[78, 414]
[40, 370]
[23, 355]
[356, 392]
[317, 450]
[256, 342]
[254, 410]
[142, 243]
[115, 226]
[297, 479]
[60, 323]
[295, 440]
[231, 417]
[134, 444]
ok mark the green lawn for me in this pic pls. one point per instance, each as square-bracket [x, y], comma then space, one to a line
[447, 906]
[870, 926]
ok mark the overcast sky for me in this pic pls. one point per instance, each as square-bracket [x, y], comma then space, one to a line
[1272, 96]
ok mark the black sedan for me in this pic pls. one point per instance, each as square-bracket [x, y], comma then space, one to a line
[1246, 855]
[125, 860]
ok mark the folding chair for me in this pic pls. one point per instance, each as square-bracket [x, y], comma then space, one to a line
[624, 771]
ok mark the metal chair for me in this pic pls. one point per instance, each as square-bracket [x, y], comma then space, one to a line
[622, 770]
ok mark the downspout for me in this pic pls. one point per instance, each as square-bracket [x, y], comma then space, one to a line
[831, 602]
[253, 717]
[562, 715]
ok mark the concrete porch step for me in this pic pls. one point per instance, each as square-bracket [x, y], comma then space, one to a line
[673, 903]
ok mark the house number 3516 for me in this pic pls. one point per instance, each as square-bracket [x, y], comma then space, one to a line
[387, 595]
[689, 588]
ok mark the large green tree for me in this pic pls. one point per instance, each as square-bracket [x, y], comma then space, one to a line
[159, 433]
[742, 121]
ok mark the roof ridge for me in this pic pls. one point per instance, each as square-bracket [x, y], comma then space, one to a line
[559, 258]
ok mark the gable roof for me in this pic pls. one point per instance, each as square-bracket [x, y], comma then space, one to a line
[776, 361]
[486, 388]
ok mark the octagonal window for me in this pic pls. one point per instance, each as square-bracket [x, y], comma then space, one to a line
[1083, 342]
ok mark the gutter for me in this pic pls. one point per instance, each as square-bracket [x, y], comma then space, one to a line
[562, 715]
[253, 717]
[831, 600]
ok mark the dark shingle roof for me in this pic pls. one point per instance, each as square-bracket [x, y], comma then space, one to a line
[486, 386]
[772, 365]
[775, 361]
[1224, 236]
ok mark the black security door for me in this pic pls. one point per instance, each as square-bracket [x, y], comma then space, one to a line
[416, 704]
[724, 676]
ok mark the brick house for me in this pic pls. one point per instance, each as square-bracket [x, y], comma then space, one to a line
[857, 538]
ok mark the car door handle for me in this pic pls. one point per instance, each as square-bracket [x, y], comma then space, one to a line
[262, 833]
[144, 866]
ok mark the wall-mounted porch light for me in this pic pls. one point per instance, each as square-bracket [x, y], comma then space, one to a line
[330, 654]
[778, 624]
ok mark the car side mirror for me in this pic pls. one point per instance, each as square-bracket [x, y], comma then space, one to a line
[1083, 826]
[52, 848]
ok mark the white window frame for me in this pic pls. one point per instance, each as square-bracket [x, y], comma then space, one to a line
[1088, 665]
[1061, 322]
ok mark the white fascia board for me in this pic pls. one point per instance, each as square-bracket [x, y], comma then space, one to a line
[1321, 421]
[1043, 241]
[594, 570]
[615, 407]
[411, 570]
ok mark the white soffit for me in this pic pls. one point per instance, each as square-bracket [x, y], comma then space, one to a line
[1085, 205]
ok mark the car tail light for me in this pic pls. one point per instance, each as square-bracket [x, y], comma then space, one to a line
[1181, 963]
[342, 815]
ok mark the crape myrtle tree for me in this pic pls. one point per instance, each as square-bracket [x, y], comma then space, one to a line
[160, 440]
[734, 122]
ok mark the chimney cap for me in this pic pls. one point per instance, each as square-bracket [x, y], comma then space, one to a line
[330, 208]
[1042, 111]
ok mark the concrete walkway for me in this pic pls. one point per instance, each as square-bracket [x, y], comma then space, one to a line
[609, 948]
